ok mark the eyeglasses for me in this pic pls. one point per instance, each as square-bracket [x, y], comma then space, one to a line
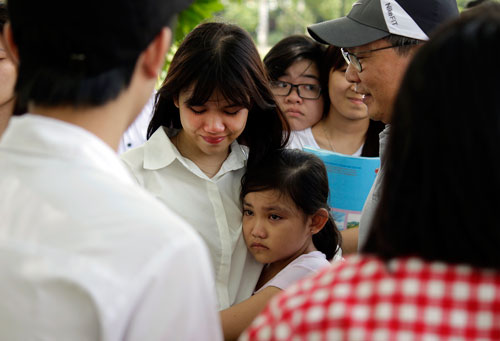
[305, 91]
[351, 58]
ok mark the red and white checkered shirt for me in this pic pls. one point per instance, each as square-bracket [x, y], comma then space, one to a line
[365, 299]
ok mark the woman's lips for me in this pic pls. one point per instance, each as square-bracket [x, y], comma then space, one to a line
[294, 113]
[214, 139]
[356, 100]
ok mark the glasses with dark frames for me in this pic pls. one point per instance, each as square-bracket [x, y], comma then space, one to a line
[305, 91]
[353, 59]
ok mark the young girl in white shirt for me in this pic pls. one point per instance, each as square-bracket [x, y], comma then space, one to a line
[287, 226]
[214, 115]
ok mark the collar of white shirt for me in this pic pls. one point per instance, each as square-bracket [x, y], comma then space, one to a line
[159, 152]
[53, 138]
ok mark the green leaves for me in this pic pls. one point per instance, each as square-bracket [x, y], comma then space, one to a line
[187, 20]
[195, 14]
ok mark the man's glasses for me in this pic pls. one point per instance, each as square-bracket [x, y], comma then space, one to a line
[353, 59]
[305, 91]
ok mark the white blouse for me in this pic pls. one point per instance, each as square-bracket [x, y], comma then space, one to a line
[211, 206]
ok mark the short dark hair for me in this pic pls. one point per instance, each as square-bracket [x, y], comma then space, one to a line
[82, 53]
[222, 57]
[302, 177]
[442, 176]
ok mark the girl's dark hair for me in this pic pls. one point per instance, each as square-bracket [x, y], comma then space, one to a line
[333, 60]
[290, 50]
[442, 176]
[302, 177]
[222, 57]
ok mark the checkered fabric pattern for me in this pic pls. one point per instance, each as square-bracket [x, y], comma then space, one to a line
[365, 299]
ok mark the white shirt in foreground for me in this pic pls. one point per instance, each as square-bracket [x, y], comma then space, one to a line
[85, 253]
[211, 206]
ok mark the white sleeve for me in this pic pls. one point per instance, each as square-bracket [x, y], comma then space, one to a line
[180, 304]
[297, 270]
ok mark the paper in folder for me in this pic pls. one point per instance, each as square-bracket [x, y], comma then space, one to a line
[350, 179]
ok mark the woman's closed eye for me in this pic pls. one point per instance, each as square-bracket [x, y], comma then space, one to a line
[233, 109]
[232, 112]
[197, 110]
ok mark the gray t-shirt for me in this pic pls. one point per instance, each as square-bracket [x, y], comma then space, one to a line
[373, 198]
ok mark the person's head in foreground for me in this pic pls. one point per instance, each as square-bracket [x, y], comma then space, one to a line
[8, 76]
[285, 208]
[294, 65]
[89, 57]
[378, 39]
[431, 267]
[216, 91]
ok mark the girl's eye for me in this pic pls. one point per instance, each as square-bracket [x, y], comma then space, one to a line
[247, 212]
[274, 217]
[233, 111]
[197, 110]
[311, 87]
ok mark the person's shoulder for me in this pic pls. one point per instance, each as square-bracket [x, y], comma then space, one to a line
[300, 138]
[315, 259]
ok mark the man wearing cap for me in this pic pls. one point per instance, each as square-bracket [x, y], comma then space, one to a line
[85, 253]
[378, 39]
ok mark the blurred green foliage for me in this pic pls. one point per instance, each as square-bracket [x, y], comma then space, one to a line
[286, 17]
[187, 20]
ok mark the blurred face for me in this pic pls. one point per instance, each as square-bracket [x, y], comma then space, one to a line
[211, 127]
[344, 100]
[380, 78]
[301, 113]
[8, 76]
[275, 230]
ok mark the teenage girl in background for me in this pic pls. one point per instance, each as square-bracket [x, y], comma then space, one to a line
[294, 65]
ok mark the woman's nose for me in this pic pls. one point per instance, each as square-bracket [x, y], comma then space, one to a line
[293, 96]
[214, 123]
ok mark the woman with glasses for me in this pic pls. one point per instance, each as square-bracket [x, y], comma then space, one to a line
[294, 67]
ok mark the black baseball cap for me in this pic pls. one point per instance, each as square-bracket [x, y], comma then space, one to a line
[92, 36]
[371, 20]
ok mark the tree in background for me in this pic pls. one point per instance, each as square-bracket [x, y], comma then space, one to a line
[199, 11]
[268, 21]
[284, 17]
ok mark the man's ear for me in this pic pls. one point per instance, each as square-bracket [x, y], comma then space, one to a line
[318, 220]
[154, 55]
[10, 45]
